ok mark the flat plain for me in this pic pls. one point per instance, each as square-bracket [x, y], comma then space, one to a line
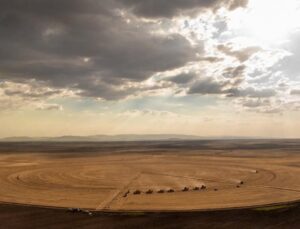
[151, 176]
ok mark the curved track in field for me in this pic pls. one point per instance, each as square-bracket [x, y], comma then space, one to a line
[108, 182]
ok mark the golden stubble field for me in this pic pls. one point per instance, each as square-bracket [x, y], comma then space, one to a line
[107, 181]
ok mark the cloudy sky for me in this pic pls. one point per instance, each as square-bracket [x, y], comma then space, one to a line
[203, 67]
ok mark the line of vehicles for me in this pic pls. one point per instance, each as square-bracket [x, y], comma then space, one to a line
[185, 189]
[151, 191]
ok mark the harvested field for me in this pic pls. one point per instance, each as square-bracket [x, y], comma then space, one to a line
[105, 177]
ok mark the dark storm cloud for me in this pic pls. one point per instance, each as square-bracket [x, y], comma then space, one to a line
[210, 86]
[206, 86]
[104, 90]
[83, 44]
[229, 89]
[168, 8]
[183, 78]
[88, 45]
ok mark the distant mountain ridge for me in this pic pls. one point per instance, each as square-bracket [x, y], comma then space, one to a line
[99, 138]
[121, 137]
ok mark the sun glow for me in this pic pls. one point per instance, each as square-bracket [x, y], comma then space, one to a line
[269, 21]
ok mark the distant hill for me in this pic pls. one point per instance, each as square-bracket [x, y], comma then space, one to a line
[121, 137]
[102, 138]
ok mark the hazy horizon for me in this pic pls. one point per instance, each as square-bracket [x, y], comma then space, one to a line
[133, 137]
[207, 68]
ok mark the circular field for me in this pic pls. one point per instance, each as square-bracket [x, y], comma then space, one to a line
[145, 182]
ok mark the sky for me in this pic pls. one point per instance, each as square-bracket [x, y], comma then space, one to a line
[200, 67]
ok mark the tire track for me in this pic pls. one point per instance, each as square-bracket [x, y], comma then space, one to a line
[274, 187]
[191, 177]
[106, 203]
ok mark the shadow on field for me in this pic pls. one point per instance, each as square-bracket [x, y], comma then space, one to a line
[14, 217]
